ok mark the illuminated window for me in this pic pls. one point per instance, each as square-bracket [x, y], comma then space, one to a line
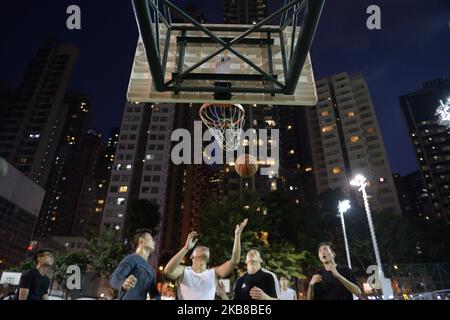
[354, 139]
[308, 169]
[325, 113]
[120, 201]
[123, 189]
[101, 201]
[336, 170]
[351, 114]
[289, 127]
[370, 130]
[327, 129]
[98, 209]
[273, 186]
[34, 136]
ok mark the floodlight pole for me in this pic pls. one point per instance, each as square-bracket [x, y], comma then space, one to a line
[347, 249]
[386, 287]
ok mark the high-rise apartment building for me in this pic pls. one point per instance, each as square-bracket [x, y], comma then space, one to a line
[244, 11]
[141, 163]
[345, 140]
[72, 162]
[431, 142]
[32, 125]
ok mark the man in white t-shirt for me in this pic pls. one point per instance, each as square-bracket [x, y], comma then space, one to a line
[198, 282]
[286, 293]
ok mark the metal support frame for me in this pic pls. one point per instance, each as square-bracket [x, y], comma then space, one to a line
[150, 14]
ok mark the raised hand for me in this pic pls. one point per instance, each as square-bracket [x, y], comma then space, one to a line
[240, 227]
[191, 240]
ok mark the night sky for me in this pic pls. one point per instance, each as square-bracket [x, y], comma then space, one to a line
[413, 46]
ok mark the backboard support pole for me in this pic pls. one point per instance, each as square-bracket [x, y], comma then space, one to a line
[143, 18]
[304, 42]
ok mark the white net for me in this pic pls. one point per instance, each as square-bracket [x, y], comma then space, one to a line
[225, 122]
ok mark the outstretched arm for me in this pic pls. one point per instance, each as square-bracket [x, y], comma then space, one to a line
[173, 269]
[226, 268]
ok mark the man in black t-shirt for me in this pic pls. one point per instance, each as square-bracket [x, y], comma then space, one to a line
[257, 283]
[34, 283]
[333, 282]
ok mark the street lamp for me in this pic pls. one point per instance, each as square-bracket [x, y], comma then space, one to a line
[361, 182]
[343, 207]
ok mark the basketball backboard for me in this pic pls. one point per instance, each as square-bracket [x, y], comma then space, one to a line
[215, 63]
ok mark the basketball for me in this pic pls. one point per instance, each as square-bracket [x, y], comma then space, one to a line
[246, 165]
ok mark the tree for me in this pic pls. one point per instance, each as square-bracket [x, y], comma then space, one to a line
[217, 222]
[327, 224]
[282, 258]
[143, 214]
[61, 264]
[25, 266]
[105, 252]
[216, 227]
[286, 218]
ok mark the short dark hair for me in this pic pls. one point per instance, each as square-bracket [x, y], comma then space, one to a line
[329, 244]
[257, 249]
[40, 253]
[139, 233]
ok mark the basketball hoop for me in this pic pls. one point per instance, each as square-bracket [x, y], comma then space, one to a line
[225, 122]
